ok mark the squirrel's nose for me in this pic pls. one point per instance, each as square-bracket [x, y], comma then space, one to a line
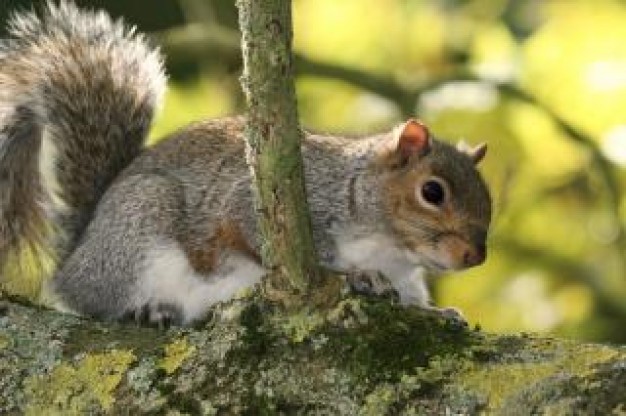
[475, 255]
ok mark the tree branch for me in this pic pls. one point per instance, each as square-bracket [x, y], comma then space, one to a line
[274, 149]
[362, 357]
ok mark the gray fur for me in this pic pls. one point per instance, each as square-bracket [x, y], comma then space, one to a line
[90, 85]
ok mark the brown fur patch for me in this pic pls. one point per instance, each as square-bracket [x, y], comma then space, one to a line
[227, 236]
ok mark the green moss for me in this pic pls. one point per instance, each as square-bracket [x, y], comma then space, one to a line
[379, 401]
[85, 387]
[256, 338]
[392, 340]
[4, 342]
[93, 336]
[175, 354]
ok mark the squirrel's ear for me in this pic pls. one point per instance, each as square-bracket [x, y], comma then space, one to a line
[413, 139]
[475, 153]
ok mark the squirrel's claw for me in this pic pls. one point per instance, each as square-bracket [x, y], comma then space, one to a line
[159, 315]
[453, 315]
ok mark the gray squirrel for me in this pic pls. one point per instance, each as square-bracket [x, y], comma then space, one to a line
[162, 233]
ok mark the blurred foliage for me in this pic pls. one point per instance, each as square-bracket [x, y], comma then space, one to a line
[543, 82]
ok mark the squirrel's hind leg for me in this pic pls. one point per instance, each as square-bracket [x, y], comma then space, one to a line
[130, 261]
[169, 279]
[171, 292]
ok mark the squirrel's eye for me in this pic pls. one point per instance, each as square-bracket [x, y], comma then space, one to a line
[433, 192]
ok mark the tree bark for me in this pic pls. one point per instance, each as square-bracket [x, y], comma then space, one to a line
[363, 356]
[273, 152]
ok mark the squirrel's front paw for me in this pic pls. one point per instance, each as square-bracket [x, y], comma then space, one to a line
[371, 283]
[450, 314]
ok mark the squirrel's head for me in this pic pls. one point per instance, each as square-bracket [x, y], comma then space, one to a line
[438, 203]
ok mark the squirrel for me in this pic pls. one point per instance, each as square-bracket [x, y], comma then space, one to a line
[161, 233]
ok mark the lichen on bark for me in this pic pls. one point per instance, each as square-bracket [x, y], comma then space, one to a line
[364, 356]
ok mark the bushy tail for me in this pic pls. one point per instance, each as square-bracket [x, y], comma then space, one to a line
[77, 96]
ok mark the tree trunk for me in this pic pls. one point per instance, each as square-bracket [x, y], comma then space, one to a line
[273, 152]
[363, 356]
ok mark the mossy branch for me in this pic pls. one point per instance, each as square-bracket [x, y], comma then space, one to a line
[360, 357]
